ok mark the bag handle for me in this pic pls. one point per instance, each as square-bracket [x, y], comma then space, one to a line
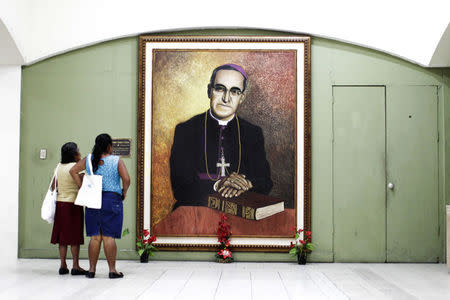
[91, 171]
[55, 177]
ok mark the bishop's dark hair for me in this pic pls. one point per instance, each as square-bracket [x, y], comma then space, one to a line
[213, 77]
[102, 141]
[68, 152]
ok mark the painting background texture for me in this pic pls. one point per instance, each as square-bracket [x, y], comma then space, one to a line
[180, 79]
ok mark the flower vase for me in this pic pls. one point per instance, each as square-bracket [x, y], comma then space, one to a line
[301, 258]
[144, 257]
[223, 261]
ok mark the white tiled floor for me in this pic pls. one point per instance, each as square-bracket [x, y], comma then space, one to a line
[38, 279]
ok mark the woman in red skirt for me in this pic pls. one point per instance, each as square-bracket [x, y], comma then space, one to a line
[68, 227]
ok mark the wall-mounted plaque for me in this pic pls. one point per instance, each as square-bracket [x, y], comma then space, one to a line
[122, 147]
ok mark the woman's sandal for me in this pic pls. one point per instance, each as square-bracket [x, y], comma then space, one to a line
[113, 275]
[78, 272]
[63, 271]
[90, 274]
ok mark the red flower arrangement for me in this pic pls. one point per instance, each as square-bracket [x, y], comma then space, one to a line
[225, 253]
[300, 247]
[144, 244]
[223, 234]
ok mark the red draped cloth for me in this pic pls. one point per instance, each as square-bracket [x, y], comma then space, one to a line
[200, 221]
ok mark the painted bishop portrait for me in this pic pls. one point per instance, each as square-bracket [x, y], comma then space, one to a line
[216, 151]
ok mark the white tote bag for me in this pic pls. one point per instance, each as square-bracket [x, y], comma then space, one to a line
[90, 193]
[49, 204]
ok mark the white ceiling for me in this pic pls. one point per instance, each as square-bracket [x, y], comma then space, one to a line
[9, 53]
[417, 31]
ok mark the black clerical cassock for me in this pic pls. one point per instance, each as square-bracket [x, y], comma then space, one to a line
[192, 181]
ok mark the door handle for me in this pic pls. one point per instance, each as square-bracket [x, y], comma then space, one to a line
[390, 186]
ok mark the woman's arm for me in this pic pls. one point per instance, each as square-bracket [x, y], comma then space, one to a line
[54, 184]
[80, 166]
[123, 172]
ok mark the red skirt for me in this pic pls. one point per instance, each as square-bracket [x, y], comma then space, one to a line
[69, 224]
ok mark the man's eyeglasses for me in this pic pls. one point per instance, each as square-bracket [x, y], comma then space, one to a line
[220, 89]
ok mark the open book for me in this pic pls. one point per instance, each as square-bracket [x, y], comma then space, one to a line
[249, 205]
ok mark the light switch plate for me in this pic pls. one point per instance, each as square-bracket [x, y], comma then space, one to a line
[43, 154]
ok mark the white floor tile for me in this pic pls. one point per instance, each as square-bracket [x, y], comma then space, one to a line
[267, 284]
[168, 285]
[234, 284]
[299, 285]
[39, 279]
[326, 286]
[202, 284]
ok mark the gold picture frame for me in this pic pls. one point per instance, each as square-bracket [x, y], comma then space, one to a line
[147, 187]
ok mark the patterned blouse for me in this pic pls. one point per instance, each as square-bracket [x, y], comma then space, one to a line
[110, 173]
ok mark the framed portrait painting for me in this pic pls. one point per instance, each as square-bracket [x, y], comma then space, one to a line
[224, 128]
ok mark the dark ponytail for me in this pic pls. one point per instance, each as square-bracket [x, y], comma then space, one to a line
[102, 142]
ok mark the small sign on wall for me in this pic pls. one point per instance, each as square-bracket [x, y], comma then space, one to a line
[122, 147]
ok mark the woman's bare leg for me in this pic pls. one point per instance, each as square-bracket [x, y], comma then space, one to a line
[94, 251]
[62, 255]
[110, 247]
[75, 249]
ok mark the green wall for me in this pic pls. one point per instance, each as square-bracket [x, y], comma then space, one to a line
[446, 116]
[75, 96]
[336, 63]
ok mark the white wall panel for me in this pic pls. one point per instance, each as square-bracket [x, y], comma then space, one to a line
[10, 80]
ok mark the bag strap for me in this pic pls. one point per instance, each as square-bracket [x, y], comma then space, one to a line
[55, 177]
[89, 158]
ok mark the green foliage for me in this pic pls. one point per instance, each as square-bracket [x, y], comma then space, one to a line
[144, 243]
[293, 251]
[298, 246]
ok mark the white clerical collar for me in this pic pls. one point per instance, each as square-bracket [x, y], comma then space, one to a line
[221, 123]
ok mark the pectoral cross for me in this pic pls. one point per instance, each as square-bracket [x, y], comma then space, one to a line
[222, 164]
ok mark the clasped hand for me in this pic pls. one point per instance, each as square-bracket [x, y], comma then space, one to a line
[233, 185]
